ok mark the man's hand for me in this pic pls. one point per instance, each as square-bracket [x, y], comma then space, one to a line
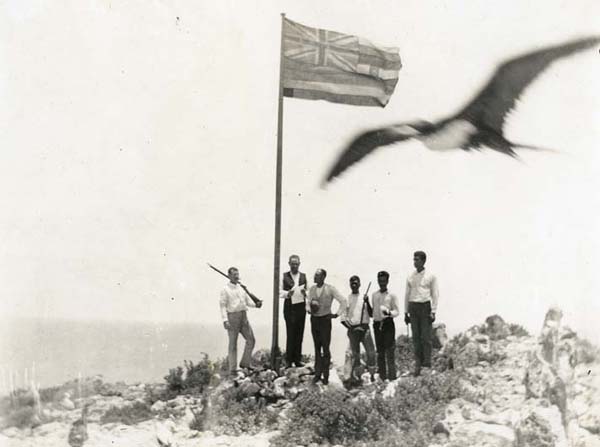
[259, 304]
[334, 315]
[290, 293]
[386, 312]
[432, 316]
[303, 290]
[406, 318]
[226, 325]
[366, 298]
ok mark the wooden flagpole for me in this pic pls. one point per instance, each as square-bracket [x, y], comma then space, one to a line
[275, 353]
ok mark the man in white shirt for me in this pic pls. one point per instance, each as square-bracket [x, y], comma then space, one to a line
[234, 303]
[320, 297]
[420, 306]
[293, 291]
[385, 309]
[358, 316]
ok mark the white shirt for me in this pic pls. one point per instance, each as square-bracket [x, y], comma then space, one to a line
[355, 305]
[387, 300]
[234, 299]
[297, 296]
[420, 288]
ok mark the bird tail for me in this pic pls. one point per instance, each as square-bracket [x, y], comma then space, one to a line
[534, 148]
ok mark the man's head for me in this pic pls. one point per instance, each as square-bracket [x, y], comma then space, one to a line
[234, 274]
[354, 283]
[294, 263]
[320, 276]
[419, 259]
[383, 278]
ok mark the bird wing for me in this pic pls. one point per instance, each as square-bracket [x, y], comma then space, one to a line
[363, 145]
[498, 97]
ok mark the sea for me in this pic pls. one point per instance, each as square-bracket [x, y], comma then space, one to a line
[56, 351]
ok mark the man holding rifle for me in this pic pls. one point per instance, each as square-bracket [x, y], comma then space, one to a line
[320, 297]
[234, 303]
[358, 316]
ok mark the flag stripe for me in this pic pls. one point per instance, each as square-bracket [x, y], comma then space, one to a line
[342, 89]
[354, 100]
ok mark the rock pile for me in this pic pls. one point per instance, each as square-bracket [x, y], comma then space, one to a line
[524, 392]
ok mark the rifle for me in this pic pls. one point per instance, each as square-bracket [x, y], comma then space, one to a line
[250, 294]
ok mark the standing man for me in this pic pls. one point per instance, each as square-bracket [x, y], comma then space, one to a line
[385, 309]
[294, 310]
[320, 297]
[420, 305]
[358, 316]
[234, 304]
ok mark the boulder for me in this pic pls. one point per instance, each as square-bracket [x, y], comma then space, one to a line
[249, 389]
[279, 386]
[158, 406]
[590, 420]
[480, 433]
[540, 426]
[496, 327]
[440, 336]
[440, 428]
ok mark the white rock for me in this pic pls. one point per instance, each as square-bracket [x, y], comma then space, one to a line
[334, 379]
[158, 406]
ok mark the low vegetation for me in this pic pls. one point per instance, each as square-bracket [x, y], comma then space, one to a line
[335, 416]
[127, 414]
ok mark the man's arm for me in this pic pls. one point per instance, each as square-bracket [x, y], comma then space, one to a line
[435, 293]
[395, 309]
[342, 308]
[407, 296]
[223, 306]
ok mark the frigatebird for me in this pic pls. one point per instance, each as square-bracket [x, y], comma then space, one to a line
[480, 123]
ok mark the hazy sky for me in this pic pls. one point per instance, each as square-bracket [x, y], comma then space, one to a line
[137, 142]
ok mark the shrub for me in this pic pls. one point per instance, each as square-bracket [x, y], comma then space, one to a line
[128, 414]
[329, 416]
[234, 414]
[517, 330]
[405, 419]
[585, 352]
[20, 418]
[193, 380]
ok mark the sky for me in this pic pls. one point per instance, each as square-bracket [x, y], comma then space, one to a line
[138, 143]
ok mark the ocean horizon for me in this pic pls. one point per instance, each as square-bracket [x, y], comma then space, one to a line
[131, 352]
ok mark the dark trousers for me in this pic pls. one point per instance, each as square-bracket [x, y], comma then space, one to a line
[295, 317]
[321, 332]
[356, 337]
[385, 342]
[420, 323]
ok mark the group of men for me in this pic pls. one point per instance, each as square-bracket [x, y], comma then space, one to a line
[355, 311]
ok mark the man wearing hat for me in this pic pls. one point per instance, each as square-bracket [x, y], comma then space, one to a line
[318, 305]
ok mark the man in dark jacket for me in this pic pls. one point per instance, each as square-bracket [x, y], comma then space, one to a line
[294, 310]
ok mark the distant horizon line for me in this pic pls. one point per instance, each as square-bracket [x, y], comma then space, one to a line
[107, 320]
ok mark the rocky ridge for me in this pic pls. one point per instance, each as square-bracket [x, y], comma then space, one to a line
[518, 391]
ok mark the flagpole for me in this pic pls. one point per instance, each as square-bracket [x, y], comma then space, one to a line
[275, 353]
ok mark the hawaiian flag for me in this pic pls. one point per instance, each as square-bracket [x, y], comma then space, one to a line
[336, 67]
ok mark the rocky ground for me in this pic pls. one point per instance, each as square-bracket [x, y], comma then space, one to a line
[519, 391]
